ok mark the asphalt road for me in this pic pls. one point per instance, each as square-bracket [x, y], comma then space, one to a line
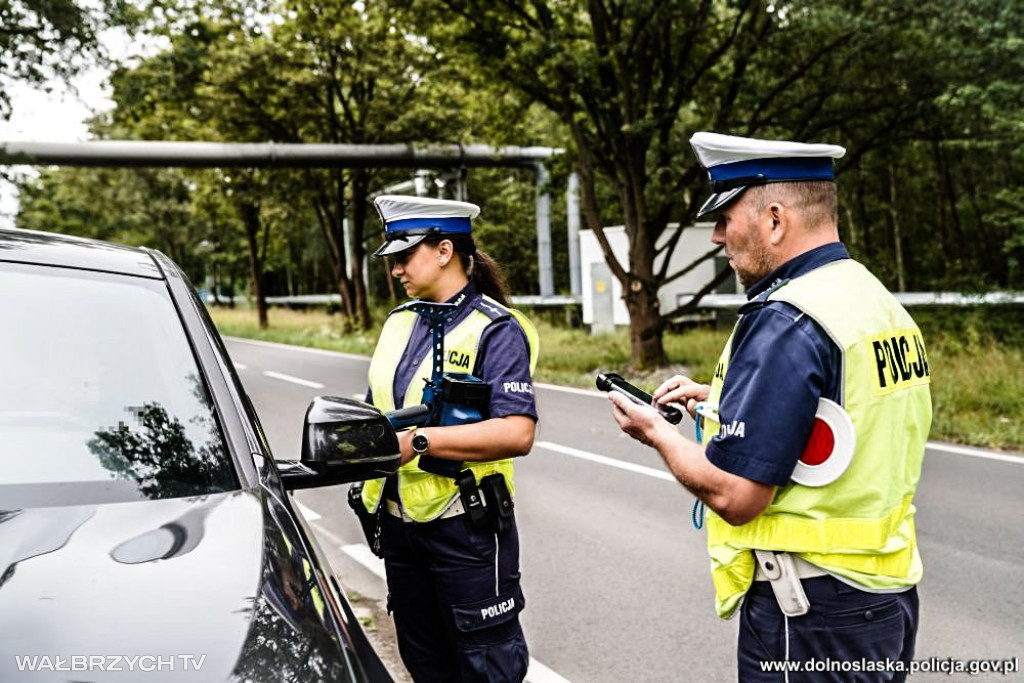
[616, 579]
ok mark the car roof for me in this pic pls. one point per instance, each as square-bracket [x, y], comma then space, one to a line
[53, 249]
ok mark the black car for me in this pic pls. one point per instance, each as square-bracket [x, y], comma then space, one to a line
[145, 528]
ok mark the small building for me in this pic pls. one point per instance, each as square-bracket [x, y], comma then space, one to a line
[603, 307]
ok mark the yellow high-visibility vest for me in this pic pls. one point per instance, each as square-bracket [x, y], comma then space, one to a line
[424, 496]
[861, 526]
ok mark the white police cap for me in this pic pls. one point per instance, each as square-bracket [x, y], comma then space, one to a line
[734, 164]
[408, 220]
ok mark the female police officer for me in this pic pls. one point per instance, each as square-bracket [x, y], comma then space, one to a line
[453, 576]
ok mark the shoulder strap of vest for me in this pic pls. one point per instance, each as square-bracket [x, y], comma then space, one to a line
[763, 299]
[495, 311]
[399, 308]
[491, 308]
[400, 318]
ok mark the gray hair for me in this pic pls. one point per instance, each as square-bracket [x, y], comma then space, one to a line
[815, 200]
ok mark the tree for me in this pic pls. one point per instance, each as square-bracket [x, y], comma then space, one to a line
[357, 76]
[147, 207]
[52, 39]
[620, 77]
[633, 79]
[307, 72]
[184, 214]
[168, 96]
[153, 448]
[925, 96]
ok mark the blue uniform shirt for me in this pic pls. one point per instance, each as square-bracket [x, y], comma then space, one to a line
[782, 362]
[503, 359]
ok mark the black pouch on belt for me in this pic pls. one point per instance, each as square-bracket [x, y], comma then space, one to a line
[499, 501]
[472, 501]
[369, 521]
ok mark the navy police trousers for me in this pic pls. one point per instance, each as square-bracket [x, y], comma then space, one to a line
[848, 635]
[455, 595]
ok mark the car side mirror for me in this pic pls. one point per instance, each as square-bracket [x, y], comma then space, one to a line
[343, 440]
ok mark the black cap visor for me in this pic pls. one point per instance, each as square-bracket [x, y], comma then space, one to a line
[719, 200]
[399, 243]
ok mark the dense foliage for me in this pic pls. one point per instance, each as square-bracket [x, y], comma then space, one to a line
[926, 96]
[40, 41]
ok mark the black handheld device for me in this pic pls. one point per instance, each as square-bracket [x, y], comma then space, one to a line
[611, 381]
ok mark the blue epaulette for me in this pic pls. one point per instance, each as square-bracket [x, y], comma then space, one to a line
[492, 310]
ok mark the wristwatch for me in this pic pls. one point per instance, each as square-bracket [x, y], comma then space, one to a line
[420, 443]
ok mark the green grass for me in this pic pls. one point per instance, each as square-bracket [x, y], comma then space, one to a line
[315, 328]
[572, 357]
[976, 359]
[977, 392]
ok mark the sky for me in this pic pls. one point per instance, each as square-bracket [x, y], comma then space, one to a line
[58, 115]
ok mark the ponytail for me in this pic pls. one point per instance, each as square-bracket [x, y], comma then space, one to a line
[483, 270]
[487, 275]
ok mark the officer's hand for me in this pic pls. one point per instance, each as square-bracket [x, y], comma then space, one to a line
[682, 390]
[640, 422]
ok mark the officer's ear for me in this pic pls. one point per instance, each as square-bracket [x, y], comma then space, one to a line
[445, 250]
[778, 215]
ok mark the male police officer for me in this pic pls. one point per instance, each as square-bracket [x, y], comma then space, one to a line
[821, 551]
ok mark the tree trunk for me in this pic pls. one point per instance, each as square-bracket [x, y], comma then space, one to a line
[330, 215]
[251, 219]
[386, 261]
[897, 237]
[646, 327]
[851, 230]
[645, 322]
[938, 187]
[231, 290]
[360, 191]
[640, 286]
[216, 284]
[338, 233]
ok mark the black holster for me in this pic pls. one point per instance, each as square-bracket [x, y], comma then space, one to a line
[472, 501]
[488, 505]
[500, 505]
[369, 521]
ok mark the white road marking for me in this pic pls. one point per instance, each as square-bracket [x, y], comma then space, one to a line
[333, 538]
[310, 515]
[306, 349]
[239, 366]
[605, 460]
[976, 452]
[293, 380]
[594, 393]
[538, 673]
[360, 552]
[661, 474]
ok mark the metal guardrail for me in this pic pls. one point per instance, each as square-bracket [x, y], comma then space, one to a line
[553, 300]
[335, 299]
[710, 301]
[734, 301]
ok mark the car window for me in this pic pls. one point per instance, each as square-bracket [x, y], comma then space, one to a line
[100, 395]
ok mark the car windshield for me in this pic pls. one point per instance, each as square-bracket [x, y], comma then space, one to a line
[101, 399]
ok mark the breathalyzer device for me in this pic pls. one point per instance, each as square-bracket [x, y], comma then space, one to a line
[611, 381]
